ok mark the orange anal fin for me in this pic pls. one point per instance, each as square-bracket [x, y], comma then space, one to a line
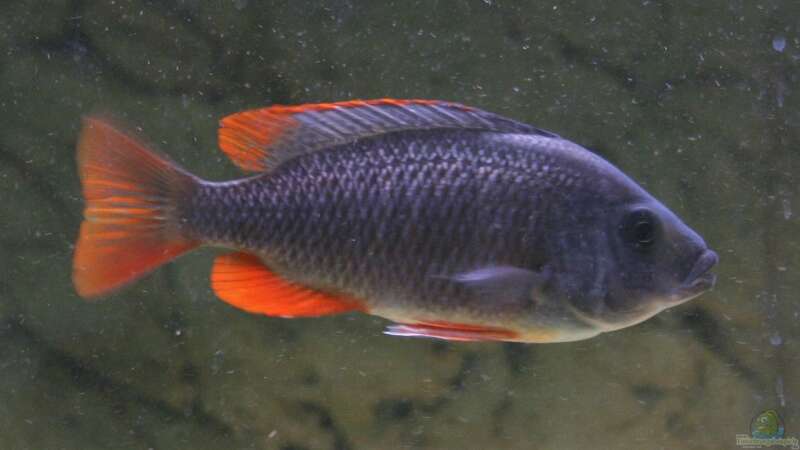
[452, 331]
[242, 280]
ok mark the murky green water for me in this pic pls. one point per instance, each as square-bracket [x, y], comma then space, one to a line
[696, 100]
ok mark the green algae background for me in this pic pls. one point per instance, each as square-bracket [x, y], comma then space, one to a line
[698, 101]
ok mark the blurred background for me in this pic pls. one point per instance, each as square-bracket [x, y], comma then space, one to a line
[696, 100]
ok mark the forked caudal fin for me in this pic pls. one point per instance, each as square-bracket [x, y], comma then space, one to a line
[130, 225]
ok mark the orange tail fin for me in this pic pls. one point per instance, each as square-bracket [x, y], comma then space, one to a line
[131, 223]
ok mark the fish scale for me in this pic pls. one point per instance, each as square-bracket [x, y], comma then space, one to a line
[453, 222]
[363, 223]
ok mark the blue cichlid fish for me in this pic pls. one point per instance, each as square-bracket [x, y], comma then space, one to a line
[450, 221]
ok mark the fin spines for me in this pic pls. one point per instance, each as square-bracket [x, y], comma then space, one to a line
[260, 139]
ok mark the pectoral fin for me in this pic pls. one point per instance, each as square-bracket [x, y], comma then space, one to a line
[504, 283]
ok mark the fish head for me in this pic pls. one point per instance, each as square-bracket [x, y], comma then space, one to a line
[766, 425]
[660, 261]
[642, 259]
[619, 256]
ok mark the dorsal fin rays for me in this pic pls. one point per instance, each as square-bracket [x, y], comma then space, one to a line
[261, 139]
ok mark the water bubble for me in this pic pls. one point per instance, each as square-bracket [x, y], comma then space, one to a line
[787, 209]
[776, 339]
[780, 92]
[217, 360]
[778, 43]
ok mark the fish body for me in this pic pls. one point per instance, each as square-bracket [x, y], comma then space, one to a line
[450, 221]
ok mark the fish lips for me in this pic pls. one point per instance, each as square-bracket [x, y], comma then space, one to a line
[700, 278]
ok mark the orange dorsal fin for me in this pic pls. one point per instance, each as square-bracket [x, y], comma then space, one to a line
[242, 280]
[261, 139]
[452, 331]
[130, 225]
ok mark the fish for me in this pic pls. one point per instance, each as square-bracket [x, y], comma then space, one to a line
[767, 425]
[450, 221]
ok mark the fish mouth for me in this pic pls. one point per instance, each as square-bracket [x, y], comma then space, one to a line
[700, 278]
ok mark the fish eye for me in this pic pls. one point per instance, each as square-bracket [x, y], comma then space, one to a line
[640, 228]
